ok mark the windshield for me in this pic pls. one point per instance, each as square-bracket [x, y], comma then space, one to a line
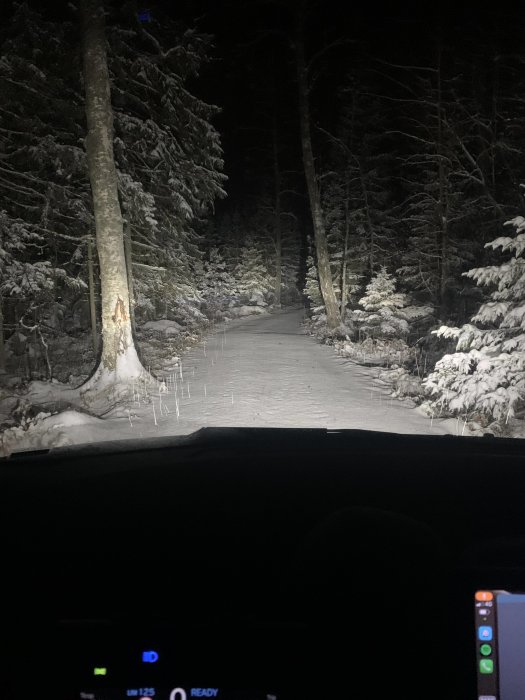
[287, 214]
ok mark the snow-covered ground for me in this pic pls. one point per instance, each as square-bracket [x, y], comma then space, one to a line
[255, 372]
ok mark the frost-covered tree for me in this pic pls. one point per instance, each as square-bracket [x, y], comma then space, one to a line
[360, 209]
[349, 256]
[230, 233]
[456, 170]
[28, 284]
[254, 280]
[290, 264]
[169, 157]
[381, 293]
[311, 287]
[44, 198]
[280, 249]
[382, 304]
[165, 190]
[486, 375]
[218, 286]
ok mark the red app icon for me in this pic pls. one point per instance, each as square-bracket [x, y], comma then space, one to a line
[484, 596]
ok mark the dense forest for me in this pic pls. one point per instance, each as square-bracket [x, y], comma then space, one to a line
[378, 186]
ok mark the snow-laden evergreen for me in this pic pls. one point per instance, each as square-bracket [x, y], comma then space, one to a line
[254, 281]
[381, 293]
[170, 157]
[44, 196]
[346, 240]
[20, 277]
[312, 289]
[218, 284]
[485, 377]
[290, 262]
[169, 162]
[381, 317]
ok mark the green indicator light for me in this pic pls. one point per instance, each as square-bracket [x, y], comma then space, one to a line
[486, 666]
[100, 671]
[485, 649]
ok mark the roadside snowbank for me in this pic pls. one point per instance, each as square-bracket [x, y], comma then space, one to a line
[43, 415]
[243, 311]
[163, 326]
[46, 431]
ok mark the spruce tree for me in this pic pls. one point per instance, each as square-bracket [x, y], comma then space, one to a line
[486, 375]
[168, 153]
[312, 289]
[218, 284]
[381, 318]
[253, 279]
[44, 190]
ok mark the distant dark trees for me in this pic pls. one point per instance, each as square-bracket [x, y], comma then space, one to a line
[243, 258]
[420, 170]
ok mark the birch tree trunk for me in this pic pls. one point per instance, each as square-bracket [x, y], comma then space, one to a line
[119, 360]
[333, 318]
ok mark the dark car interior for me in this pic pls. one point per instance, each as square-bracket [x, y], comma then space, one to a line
[260, 564]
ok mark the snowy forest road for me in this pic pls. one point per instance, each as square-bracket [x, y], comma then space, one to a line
[260, 372]
[266, 372]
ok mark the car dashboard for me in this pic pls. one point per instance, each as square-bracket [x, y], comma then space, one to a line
[258, 564]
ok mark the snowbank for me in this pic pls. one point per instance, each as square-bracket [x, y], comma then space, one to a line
[48, 431]
[41, 392]
[163, 326]
[241, 311]
[376, 351]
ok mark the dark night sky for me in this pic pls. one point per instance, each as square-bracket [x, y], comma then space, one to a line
[248, 32]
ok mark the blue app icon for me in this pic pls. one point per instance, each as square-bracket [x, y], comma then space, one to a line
[485, 633]
[150, 657]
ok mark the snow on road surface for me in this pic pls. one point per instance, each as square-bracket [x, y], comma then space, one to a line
[266, 372]
[260, 372]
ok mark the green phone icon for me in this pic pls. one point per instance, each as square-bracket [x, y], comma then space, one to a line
[485, 649]
[486, 666]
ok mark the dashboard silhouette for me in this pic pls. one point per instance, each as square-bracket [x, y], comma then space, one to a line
[256, 563]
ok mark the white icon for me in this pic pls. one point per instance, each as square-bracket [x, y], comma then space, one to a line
[484, 611]
[487, 697]
[179, 694]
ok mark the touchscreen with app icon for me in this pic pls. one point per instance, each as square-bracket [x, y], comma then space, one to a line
[500, 644]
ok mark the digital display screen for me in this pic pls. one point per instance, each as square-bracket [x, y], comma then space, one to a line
[150, 675]
[168, 664]
[176, 693]
[500, 644]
